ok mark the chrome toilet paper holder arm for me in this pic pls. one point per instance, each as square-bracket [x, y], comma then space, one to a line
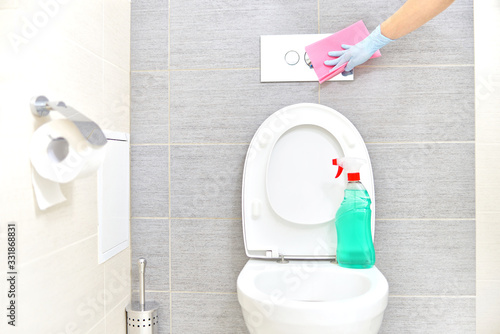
[41, 107]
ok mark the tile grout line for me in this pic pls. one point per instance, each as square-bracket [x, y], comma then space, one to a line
[478, 224]
[370, 143]
[257, 68]
[207, 292]
[188, 144]
[106, 312]
[425, 219]
[170, 270]
[200, 292]
[422, 142]
[102, 87]
[97, 324]
[200, 69]
[319, 93]
[393, 296]
[319, 29]
[119, 303]
[168, 36]
[114, 65]
[421, 65]
[434, 296]
[169, 173]
[169, 152]
[101, 57]
[21, 265]
[239, 218]
[188, 218]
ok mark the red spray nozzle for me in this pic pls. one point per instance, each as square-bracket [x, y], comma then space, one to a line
[340, 170]
[352, 165]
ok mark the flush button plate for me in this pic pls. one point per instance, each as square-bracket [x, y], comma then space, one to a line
[278, 58]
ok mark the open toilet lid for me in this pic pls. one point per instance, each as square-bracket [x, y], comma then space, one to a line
[290, 194]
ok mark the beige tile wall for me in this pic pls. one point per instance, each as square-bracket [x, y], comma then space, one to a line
[487, 53]
[78, 52]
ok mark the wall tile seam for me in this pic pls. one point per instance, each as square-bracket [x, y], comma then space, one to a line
[106, 313]
[418, 65]
[205, 292]
[377, 219]
[99, 323]
[239, 218]
[258, 68]
[185, 218]
[132, 10]
[319, 17]
[169, 88]
[367, 143]
[422, 142]
[191, 144]
[426, 219]
[75, 43]
[200, 69]
[102, 46]
[169, 29]
[169, 165]
[435, 296]
[192, 292]
[235, 293]
[118, 67]
[60, 249]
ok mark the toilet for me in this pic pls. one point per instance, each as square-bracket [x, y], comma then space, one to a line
[291, 284]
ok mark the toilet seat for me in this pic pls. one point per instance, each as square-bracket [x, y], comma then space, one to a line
[289, 191]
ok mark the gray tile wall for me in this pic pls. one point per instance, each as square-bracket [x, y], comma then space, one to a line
[197, 101]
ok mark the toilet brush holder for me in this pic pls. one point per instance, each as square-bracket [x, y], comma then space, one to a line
[142, 317]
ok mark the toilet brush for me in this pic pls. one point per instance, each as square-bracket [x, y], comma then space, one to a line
[142, 317]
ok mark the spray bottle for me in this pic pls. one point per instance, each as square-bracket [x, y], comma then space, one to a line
[353, 219]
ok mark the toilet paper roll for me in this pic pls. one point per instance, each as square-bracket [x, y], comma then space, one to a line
[60, 153]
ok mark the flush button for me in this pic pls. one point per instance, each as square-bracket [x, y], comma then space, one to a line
[292, 57]
[307, 60]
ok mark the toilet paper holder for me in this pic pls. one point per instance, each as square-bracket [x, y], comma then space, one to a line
[41, 107]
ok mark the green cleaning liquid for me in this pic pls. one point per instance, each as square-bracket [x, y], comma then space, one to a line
[353, 223]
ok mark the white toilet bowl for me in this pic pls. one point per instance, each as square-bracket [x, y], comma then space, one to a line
[289, 200]
[311, 297]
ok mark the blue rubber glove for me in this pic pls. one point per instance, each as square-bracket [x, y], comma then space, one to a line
[355, 55]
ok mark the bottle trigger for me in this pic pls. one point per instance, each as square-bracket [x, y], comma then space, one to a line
[339, 172]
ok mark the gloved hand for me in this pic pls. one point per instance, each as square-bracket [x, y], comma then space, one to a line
[355, 55]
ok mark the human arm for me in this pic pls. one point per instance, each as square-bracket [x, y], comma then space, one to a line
[412, 15]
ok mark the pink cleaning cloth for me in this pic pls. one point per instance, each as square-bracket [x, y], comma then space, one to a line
[318, 52]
